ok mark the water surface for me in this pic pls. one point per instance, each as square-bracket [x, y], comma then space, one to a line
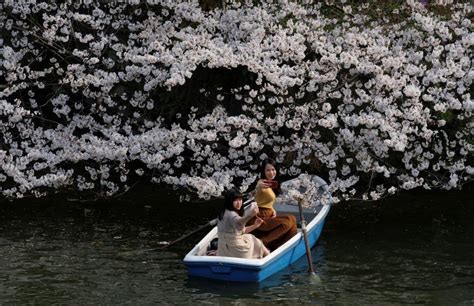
[414, 249]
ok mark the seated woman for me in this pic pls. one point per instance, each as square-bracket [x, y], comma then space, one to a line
[275, 230]
[234, 237]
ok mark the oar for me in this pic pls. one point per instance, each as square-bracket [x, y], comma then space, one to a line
[305, 236]
[200, 228]
[313, 277]
[139, 252]
[210, 223]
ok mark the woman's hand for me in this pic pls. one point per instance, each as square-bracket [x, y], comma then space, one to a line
[255, 225]
[274, 213]
[261, 184]
[258, 222]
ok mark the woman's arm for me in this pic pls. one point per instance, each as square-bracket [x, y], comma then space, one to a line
[247, 217]
[254, 226]
[274, 213]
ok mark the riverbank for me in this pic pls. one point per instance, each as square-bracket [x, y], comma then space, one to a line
[414, 207]
[153, 207]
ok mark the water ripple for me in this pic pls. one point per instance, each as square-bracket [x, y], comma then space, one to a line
[89, 261]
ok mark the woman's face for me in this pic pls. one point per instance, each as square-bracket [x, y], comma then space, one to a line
[237, 203]
[270, 172]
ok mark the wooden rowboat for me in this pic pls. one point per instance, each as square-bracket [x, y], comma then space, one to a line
[256, 270]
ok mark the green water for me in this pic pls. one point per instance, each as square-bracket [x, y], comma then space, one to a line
[417, 248]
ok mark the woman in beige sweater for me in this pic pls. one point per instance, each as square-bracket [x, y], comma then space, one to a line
[234, 238]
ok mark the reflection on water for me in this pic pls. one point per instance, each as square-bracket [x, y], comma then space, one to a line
[65, 253]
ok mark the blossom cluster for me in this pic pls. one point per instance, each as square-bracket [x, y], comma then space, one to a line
[97, 96]
[310, 191]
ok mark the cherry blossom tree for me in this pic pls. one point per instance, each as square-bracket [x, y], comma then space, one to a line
[97, 96]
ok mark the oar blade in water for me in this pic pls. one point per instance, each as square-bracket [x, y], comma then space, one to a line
[314, 279]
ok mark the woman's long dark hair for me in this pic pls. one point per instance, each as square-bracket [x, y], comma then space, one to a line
[272, 162]
[229, 198]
